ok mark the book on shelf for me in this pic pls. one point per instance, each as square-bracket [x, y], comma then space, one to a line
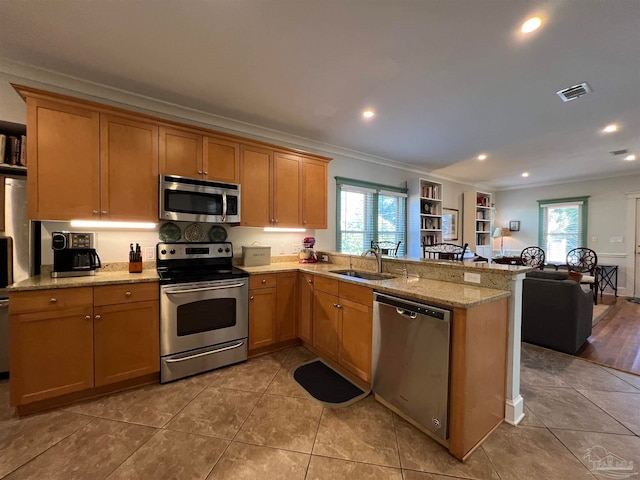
[430, 191]
[3, 147]
[13, 149]
[23, 151]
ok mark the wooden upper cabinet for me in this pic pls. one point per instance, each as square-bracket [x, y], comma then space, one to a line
[314, 193]
[255, 178]
[129, 169]
[287, 194]
[221, 160]
[63, 151]
[181, 152]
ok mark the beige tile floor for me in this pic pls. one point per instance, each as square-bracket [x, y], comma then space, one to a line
[251, 421]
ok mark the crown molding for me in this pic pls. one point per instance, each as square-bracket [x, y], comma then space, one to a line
[568, 180]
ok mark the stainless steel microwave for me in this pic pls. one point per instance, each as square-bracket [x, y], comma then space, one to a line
[196, 200]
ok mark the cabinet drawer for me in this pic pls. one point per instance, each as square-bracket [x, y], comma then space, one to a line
[324, 284]
[265, 280]
[50, 300]
[356, 293]
[125, 293]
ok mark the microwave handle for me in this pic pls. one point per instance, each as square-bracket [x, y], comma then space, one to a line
[224, 206]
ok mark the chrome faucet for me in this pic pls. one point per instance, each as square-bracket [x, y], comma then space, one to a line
[377, 254]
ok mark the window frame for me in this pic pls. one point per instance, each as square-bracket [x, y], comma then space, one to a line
[373, 219]
[583, 205]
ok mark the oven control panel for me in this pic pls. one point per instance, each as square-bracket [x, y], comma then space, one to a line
[182, 251]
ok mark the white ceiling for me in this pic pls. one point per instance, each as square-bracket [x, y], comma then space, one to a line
[448, 79]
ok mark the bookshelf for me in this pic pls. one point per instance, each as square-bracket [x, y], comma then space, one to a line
[478, 222]
[424, 223]
[13, 148]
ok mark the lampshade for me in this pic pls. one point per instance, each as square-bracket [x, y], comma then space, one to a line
[501, 232]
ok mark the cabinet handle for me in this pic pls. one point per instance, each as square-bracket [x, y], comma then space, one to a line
[304, 221]
[87, 317]
[335, 305]
[276, 220]
[273, 221]
[251, 297]
[199, 172]
[310, 282]
[52, 300]
[206, 173]
[339, 306]
[104, 212]
[96, 212]
[264, 281]
[127, 294]
[98, 317]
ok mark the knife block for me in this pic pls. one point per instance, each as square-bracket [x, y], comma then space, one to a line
[135, 267]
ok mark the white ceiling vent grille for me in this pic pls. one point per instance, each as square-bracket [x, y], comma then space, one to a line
[619, 152]
[575, 91]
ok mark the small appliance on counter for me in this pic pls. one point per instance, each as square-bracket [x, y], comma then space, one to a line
[73, 254]
[307, 254]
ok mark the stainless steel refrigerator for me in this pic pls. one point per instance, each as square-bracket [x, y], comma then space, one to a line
[15, 253]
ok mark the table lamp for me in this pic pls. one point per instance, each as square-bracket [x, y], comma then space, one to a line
[501, 232]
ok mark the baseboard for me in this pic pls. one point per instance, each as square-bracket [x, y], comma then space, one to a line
[514, 410]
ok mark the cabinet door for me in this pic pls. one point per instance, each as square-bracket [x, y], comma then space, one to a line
[51, 354]
[180, 153]
[262, 317]
[325, 324]
[305, 313]
[355, 339]
[255, 178]
[287, 198]
[287, 306]
[221, 160]
[129, 169]
[314, 193]
[63, 151]
[126, 341]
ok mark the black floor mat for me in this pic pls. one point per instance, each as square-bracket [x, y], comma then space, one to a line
[634, 299]
[325, 384]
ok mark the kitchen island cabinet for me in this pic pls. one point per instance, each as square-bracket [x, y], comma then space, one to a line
[71, 343]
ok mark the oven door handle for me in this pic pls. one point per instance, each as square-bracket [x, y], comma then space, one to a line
[191, 290]
[224, 206]
[203, 354]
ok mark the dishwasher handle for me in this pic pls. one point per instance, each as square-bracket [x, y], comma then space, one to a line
[411, 315]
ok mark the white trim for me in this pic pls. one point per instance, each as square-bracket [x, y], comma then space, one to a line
[612, 255]
[514, 411]
[632, 241]
[514, 404]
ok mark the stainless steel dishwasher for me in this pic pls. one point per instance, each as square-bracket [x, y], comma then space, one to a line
[411, 344]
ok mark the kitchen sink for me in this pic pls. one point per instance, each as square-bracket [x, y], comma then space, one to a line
[363, 275]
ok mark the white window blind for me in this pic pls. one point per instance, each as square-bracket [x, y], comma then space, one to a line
[369, 213]
[562, 226]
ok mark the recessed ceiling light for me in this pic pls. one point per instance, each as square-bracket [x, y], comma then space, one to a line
[525, 174]
[482, 156]
[630, 158]
[531, 25]
[610, 128]
[368, 113]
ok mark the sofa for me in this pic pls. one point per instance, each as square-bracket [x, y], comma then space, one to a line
[556, 311]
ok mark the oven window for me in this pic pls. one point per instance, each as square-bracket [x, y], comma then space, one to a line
[206, 316]
[193, 202]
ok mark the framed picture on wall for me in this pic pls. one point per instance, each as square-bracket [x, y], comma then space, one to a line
[514, 225]
[449, 224]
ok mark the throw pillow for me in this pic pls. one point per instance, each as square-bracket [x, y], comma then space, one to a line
[575, 276]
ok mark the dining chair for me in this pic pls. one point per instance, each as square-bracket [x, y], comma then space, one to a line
[585, 261]
[533, 257]
[444, 251]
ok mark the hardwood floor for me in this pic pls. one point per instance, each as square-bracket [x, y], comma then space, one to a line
[615, 340]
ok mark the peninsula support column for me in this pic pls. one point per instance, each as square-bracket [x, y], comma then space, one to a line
[514, 408]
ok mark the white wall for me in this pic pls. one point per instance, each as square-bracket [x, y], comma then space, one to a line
[606, 219]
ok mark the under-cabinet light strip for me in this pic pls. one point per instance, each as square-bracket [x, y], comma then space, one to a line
[99, 224]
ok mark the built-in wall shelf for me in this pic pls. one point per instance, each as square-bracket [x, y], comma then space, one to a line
[478, 221]
[424, 222]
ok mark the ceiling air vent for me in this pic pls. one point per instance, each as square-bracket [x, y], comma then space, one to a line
[576, 91]
[619, 152]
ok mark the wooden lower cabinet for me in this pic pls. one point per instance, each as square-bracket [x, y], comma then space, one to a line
[126, 341]
[62, 343]
[262, 317]
[287, 303]
[354, 346]
[305, 308]
[325, 324]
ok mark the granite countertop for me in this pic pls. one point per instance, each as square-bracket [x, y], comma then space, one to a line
[42, 282]
[433, 291]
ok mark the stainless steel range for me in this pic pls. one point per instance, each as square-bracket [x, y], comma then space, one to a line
[204, 308]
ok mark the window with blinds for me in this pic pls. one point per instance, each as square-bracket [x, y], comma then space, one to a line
[562, 226]
[368, 212]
